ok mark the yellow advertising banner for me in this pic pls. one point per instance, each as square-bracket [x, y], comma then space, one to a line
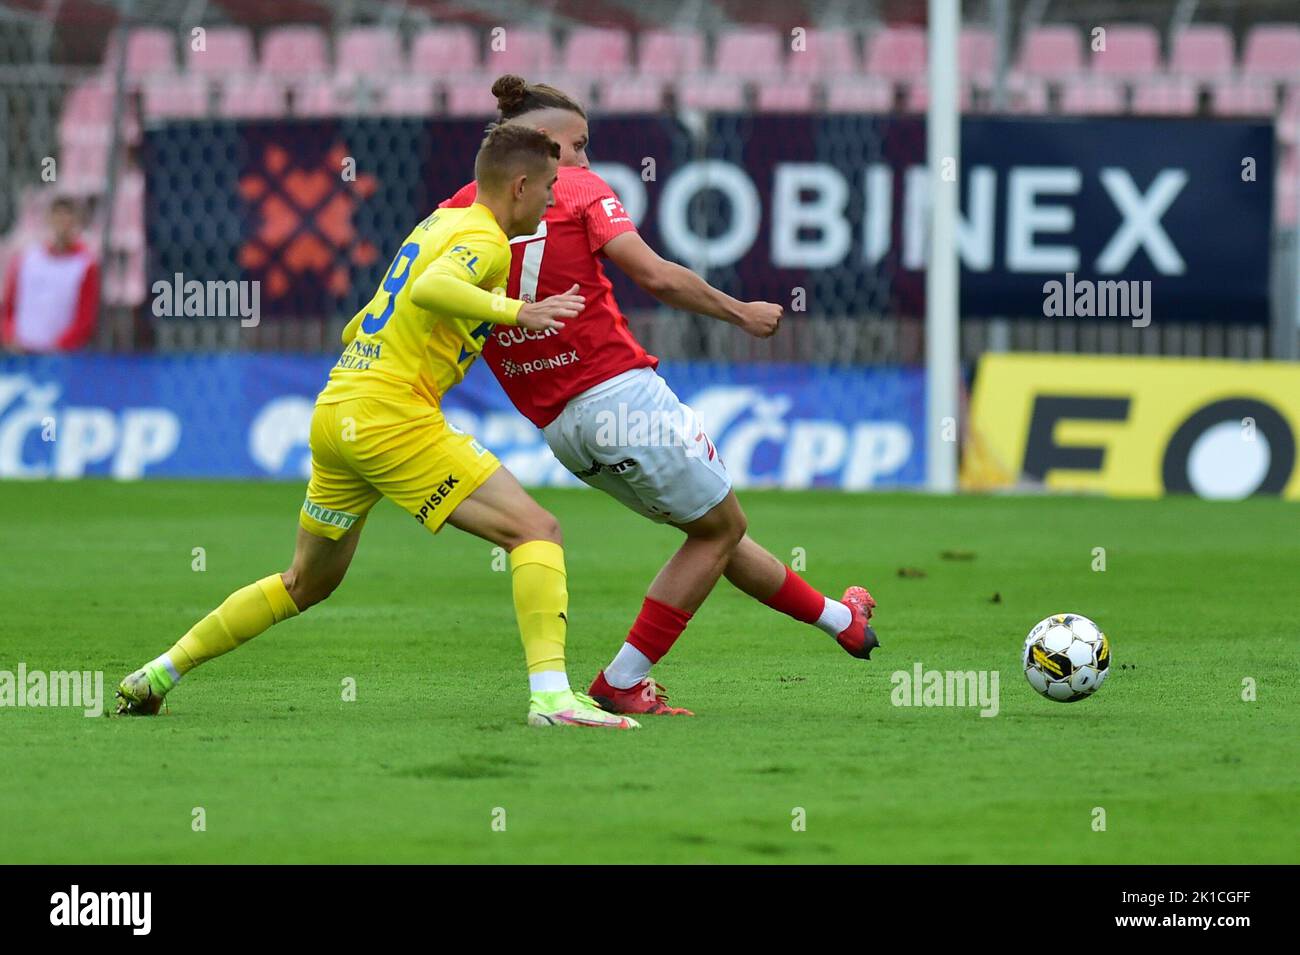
[1134, 426]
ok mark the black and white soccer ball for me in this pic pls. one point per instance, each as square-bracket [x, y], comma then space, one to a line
[1066, 657]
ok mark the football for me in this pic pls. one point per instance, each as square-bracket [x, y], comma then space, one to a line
[1066, 657]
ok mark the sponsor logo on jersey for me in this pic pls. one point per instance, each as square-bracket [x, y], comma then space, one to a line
[514, 335]
[512, 369]
[440, 494]
[618, 467]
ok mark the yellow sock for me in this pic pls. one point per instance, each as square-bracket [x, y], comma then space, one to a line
[541, 604]
[243, 615]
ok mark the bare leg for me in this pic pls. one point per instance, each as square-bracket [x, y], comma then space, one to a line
[754, 570]
[319, 565]
[691, 573]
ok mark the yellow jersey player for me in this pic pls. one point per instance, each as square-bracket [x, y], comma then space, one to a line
[378, 431]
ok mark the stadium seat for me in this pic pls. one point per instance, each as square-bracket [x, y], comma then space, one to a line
[149, 52]
[789, 95]
[1051, 51]
[227, 51]
[325, 96]
[1165, 96]
[128, 212]
[87, 115]
[413, 97]
[175, 97]
[471, 96]
[251, 97]
[859, 94]
[445, 51]
[83, 168]
[368, 51]
[826, 53]
[669, 54]
[896, 53]
[1203, 50]
[1026, 95]
[1131, 50]
[749, 53]
[124, 280]
[293, 51]
[1243, 97]
[977, 50]
[530, 53]
[1091, 95]
[1272, 50]
[722, 93]
[593, 51]
[641, 94]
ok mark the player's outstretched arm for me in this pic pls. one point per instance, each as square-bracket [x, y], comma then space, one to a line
[679, 287]
[443, 288]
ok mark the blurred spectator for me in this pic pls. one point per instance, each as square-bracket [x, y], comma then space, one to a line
[51, 291]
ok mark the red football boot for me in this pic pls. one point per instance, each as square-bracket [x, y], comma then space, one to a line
[858, 638]
[644, 697]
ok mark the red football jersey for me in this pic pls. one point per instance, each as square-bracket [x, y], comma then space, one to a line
[541, 371]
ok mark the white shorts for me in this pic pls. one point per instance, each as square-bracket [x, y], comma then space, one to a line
[631, 438]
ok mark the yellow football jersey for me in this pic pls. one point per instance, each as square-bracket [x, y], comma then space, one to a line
[393, 347]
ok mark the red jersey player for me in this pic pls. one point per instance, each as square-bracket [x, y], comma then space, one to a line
[584, 383]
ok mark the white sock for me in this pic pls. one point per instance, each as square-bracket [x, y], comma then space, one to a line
[835, 617]
[629, 667]
[548, 681]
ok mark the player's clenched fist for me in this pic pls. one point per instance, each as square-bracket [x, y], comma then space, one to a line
[760, 319]
[542, 315]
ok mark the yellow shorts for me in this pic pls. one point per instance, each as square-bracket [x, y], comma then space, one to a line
[363, 449]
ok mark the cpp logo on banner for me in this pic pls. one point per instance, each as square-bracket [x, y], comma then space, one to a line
[40, 436]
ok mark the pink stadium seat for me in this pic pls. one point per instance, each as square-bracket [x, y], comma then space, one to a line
[530, 53]
[1202, 50]
[252, 97]
[598, 52]
[977, 53]
[87, 115]
[790, 95]
[293, 51]
[1243, 97]
[413, 97]
[1131, 50]
[445, 51]
[1087, 96]
[1051, 51]
[327, 96]
[670, 53]
[471, 96]
[1165, 96]
[128, 212]
[1273, 50]
[897, 53]
[124, 279]
[749, 52]
[721, 93]
[859, 94]
[826, 53]
[83, 168]
[175, 97]
[369, 50]
[149, 51]
[227, 51]
[641, 94]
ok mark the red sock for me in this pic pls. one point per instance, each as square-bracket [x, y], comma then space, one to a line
[795, 598]
[657, 628]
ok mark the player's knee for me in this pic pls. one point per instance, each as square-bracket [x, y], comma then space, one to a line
[306, 591]
[537, 525]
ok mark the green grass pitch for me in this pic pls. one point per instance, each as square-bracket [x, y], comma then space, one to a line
[1196, 597]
